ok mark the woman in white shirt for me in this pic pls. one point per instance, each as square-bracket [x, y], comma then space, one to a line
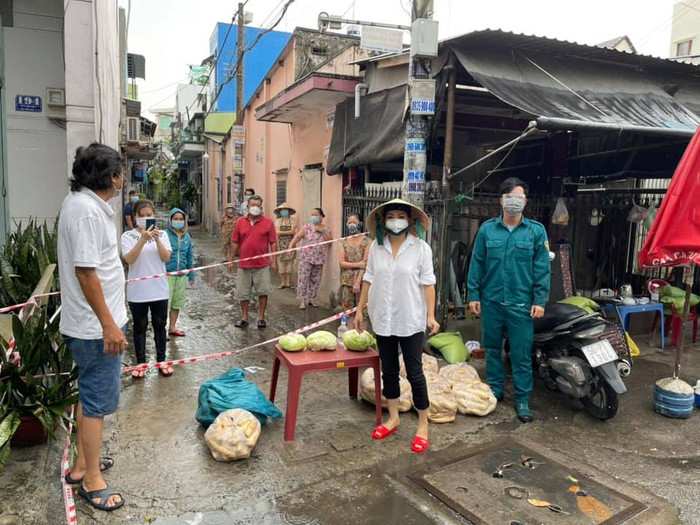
[146, 249]
[399, 290]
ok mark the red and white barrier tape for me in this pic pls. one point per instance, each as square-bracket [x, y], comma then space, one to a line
[191, 270]
[210, 357]
[245, 259]
[68, 501]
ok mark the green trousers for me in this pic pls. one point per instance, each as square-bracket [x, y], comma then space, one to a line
[495, 320]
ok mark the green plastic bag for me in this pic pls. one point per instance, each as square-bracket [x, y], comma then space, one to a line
[232, 390]
[582, 302]
[450, 345]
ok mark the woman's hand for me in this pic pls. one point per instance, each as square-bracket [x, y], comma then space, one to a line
[433, 325]
[155, 234]
[356, 288]
[359, 325]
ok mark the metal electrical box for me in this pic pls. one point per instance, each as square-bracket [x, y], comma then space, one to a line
[424, 38]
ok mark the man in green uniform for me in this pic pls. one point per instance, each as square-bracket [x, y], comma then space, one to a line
[509, 286]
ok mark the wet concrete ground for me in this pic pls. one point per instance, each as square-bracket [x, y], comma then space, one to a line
[334, 473]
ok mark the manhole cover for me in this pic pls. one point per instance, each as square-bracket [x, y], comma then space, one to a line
[501, 484]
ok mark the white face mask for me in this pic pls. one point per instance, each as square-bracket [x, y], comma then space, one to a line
[397, 226]
[255, 211]
[513, 205]
[141, 222]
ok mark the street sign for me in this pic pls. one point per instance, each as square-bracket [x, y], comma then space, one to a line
[380, 39]
[422, 96]
[30, 103]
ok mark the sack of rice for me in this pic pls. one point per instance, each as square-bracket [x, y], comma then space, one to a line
[474, 398]
[443, 406]
[367, 390]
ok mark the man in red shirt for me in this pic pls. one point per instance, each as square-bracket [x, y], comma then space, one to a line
[254, 234]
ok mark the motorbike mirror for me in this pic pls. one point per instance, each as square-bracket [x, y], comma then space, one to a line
[552, 256]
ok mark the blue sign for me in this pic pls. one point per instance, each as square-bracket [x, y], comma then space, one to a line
[415, 145]
[29, 103]
[422, 107]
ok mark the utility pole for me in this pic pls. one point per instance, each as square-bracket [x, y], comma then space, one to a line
[421, 89]
[237, 147]
[239, 64]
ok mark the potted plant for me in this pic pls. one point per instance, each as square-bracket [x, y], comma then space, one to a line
[37, 389]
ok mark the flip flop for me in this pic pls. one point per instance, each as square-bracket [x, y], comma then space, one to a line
[177, 333]
[166, 371]
[381, 431]
[106, 463]
[104, 496]
[262, 324]
[241, 323]
[420, 444]
[137, 374]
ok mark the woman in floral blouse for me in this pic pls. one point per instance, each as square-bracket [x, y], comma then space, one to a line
[311, 258]
[353, 261]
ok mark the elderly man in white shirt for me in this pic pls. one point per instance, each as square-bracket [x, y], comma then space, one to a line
[399, 290]
[94, 312]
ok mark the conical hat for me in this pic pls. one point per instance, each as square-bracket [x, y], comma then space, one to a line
[285, 206]
[377, 214]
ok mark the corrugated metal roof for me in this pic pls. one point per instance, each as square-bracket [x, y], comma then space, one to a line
[496, 38]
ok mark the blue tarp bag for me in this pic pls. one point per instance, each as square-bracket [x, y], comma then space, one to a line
[231, 390]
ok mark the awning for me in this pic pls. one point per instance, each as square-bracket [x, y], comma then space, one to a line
[572, 93]
[378, 136]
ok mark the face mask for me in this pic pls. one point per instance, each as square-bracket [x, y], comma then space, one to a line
[229, 211]
[513, 205]
[284, 213]
[255, 211]
[141, 222]
[134, 200]
[353, 227]
[397, 226]
[247, 197]
[315, 219]
[178, 225]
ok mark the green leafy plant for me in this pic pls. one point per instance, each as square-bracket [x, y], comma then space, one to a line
[25, 256]
[41, 384]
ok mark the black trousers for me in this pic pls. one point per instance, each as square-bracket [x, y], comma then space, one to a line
[412, 350]
[159, 318]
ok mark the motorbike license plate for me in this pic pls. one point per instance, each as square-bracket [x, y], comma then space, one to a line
[599, 353]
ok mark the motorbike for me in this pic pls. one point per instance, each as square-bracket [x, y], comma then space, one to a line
[582, 355]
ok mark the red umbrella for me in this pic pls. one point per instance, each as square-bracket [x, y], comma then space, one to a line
[674, 237]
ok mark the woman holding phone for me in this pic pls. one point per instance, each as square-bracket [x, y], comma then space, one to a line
[146, 249]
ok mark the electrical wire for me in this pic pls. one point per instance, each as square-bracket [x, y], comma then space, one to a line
[216, 61]
[232, 74]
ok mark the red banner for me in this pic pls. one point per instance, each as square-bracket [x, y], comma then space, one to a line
[674, 238]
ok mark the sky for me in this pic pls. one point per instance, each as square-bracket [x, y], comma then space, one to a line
[172, 34]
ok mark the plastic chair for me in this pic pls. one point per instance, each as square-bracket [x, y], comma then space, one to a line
[677, 324]
[655, 284]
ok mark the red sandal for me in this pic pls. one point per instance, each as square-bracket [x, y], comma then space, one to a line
[381, 431]
[420, 444]
[177, 333]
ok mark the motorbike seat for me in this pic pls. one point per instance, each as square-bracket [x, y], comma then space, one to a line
[556, 314]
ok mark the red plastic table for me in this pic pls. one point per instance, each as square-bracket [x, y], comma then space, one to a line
[299, 363]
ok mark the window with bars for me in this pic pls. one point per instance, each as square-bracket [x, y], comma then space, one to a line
[281, 190]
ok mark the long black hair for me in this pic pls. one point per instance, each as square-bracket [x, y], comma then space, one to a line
[94, 166]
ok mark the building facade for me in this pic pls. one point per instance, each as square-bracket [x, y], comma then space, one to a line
[45, 118]
[258, 59]
[685, 32]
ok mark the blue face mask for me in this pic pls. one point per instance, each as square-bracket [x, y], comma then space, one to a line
[315, 219]
[284, 213]
[134, 199]
[178, 225]
[353, 228]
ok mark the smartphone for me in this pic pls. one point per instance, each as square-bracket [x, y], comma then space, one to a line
[150, 223]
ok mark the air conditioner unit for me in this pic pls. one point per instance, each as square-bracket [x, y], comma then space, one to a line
[133, 129]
